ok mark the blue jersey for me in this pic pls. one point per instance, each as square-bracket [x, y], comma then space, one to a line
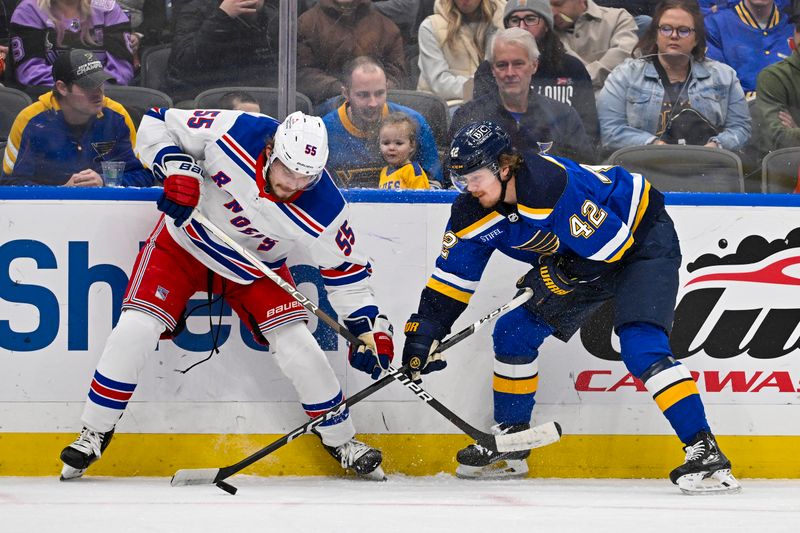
[735, 38]
[594, 213]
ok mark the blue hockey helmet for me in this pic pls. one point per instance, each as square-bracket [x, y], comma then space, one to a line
[476, 146]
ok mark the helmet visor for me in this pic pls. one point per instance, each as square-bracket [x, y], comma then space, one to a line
[289, 178]
[479, 177]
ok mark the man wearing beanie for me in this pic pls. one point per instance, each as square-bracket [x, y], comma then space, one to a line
[560, 76]
[602, 37]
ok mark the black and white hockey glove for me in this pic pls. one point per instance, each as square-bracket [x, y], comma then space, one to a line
[422, 339]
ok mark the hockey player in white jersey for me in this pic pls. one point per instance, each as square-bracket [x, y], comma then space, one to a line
[264, 184]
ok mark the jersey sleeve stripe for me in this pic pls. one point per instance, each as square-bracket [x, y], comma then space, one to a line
[612, 246]
[165, 155]
[624, 248]
[447, 290]
[9, 159]
[363, 272]
[308, 219]
[534, 213]
[637, 186]
[295, 217]
[643, 205]
[157, 113]
[229, 149]
[480, 226]
[451, 279]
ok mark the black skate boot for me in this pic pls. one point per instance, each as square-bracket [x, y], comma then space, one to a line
[477, 462]
[359, 457]
[706, 469]
[86, 449]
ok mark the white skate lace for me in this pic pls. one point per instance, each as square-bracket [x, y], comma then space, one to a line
[695, 451]
[350, 451]
[89, 442]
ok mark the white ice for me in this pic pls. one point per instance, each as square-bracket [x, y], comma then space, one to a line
[403, 504]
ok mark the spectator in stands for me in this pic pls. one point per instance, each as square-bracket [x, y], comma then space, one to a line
[353, 128]
[531, 119]
[6, 9]
[335, 31]
[559, 75]
[708, 7]
[778, 98]
[239, 101]
[674, 93]
[62, 138]
[602, 37]
[148, 21]
[748, 37]
[453, 42]
[398, 142]
[44, 29]
[218, 43]
[642, 11]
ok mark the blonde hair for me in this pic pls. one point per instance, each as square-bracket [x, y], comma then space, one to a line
[455, 19]
[398, 118]
[85, 13]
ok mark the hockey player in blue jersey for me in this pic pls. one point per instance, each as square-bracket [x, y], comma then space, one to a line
[591, 234]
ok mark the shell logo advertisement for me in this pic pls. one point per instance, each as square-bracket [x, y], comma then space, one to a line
[737, 328]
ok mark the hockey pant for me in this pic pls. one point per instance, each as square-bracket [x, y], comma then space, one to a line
[135, 337]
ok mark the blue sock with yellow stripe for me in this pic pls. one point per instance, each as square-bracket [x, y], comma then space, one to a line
[647, 354]
[517, 337]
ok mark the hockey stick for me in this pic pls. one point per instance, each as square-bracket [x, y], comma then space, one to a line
[523, 440]
[535, 437]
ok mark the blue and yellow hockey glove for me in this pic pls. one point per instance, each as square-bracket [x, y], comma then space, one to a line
[422, 339]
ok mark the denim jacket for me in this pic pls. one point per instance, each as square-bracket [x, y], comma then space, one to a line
[629, 105]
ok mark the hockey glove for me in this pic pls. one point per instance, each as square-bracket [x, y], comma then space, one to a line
[375, 331]
[181, 191]
[548, 280]
[422, 340]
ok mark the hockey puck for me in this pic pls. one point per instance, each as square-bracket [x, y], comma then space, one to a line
[230, 489]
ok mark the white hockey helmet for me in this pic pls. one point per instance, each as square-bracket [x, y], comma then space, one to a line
[301, 143]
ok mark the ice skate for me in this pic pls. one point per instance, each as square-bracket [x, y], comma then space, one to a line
[86, 449]
[477, 462]
[363, 459]
[705, 470]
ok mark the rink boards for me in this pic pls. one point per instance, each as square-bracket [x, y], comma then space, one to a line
[63, 274]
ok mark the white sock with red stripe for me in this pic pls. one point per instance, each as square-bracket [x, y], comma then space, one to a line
[124, 357]
[302, 360]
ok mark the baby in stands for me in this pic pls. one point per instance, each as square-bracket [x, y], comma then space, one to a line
[398, 143]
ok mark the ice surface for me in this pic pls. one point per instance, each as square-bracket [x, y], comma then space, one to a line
[403, 504]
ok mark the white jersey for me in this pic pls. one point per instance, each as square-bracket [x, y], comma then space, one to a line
[229, 146]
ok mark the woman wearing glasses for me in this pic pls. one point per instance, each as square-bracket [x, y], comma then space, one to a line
[672, 93]
[559, 76]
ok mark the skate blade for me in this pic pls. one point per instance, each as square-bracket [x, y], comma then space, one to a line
[703, 483]
[376, 475]
[69, 473]
[506, 469]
